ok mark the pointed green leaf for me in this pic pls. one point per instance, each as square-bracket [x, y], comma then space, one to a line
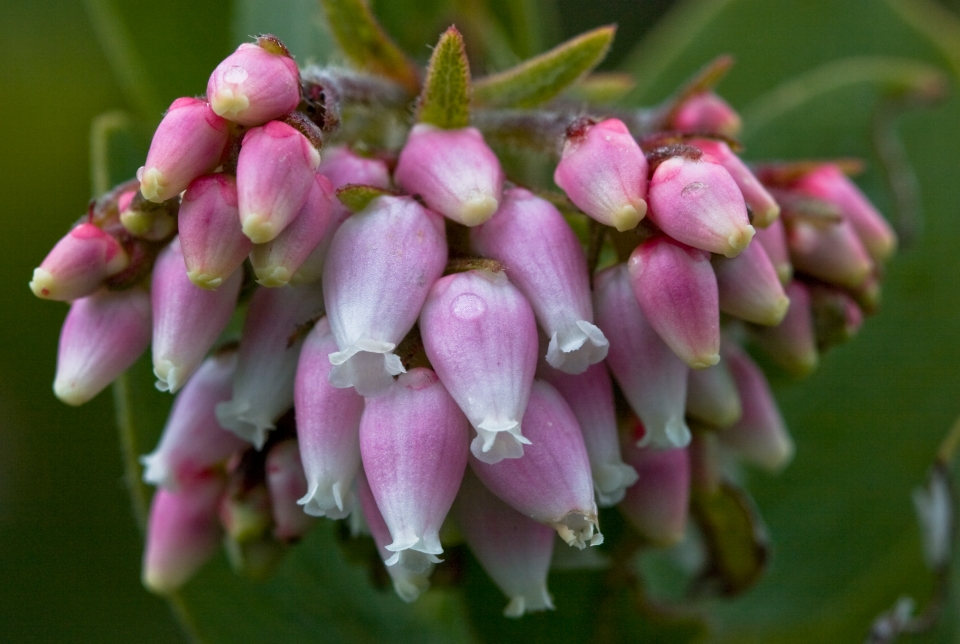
[445, 100]
[364, 42]
[356, 197]
[540, 79]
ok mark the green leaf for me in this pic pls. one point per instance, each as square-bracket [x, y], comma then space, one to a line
[298, 23]
[366, 45]
[544, 77]
[602, 88]
[445, 100]
[357, 197]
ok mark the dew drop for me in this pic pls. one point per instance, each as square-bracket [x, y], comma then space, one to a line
[467, 307]
[694, 190]
[235, 74]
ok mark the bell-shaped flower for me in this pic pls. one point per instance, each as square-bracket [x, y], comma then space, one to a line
[512, 548]
[78, 264]
[604, 173]
[193, 441]
[792, 344]
[712, 396]
[590, 396]
[269, 350]
[677, 291]
[328, 428]
[652, 377]
[275, 172]
[773, 239]
[187, 320]
[453, 171]
[543, 259]
[287, 483]
[213, 243]
[705, 112]
[414, 443]
[749, 287]
[832, 252]
[480, 335]
[551, 483]
[698, 203]
[380, 267]
[657, 505]
[102, 337]
[188, 143]
[254, 84]
[764, 210]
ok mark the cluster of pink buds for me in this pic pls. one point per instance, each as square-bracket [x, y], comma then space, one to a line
[428, 342]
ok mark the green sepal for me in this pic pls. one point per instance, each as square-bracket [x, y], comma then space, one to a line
[539, 79]
[445, 99]
[356, 197]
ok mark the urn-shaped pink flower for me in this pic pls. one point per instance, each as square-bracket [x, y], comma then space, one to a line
[253, 85]
[213, 243]
[78, 264]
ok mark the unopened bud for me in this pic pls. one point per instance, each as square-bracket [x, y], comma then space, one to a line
[712, 396]
[763, 208]
[773, 239]
[792, 344]
[707, 113]
[287, 483]
[657, 504]
[750, 288]
[253, 85]
[831, 252]
[78, 264]
[213, 244]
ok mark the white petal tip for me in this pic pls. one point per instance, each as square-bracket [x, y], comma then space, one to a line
[476, 210]
[229, 102]
[43, 285]
[205, 281]
[273, 276]
[627, 217]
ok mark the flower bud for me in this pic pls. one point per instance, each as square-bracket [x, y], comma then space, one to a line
[652, 377]
[287, 483]
[187, 320]
[545, 261]
[832, 253]
[213, 244]
[269, 350]
[551, 483]
[480, 335]
[454, 171]
[275, 172]
[182, 532]
[276, 262]
[773, 239]
[145, 219]
[513, 549]
[78, 264]
[763, 208]
[707, 112]
[102, 337]
[749, 287]
[760, 436]
[712, 396]
[604, 173]
[188, 143]
[657, 505]
[413, 440]
[677, 291]
[328, 428]
[590, 396]
[837, 317]
[698, 203]
[380, 267]
[253, 85]
[192, 440]
[792, 344]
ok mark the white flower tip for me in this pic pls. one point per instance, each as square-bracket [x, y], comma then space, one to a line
[229, 102]
[159, 583]
[152, 184]
[739, 239]
[72, 392]
[43, 284]
[763, 217]
[205, 280]
[627, 216]
[259, 228]
[329, 502]
[537, 599]
[784, 272]
[610, 482]
[673, 433]
[169, 376]
[574, 348]
[136, 222]
[367, 366]
[778, 310]
[235, 415]
[704, 361]
[409, 586]
[579, 530]
[497, 440]
[273, 276]
[413, 560]
[478, 209]
[157, 473]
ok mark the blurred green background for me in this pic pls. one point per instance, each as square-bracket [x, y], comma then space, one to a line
[867, 424]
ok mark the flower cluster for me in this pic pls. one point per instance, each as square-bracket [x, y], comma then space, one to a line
[429, 341]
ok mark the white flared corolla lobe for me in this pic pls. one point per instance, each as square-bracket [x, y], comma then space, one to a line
[480, 335]
[187, 320]
[712, 396]
[192, 439]
[414, 443]
[698, 203]
[760, 436]
[551, 483]
[773, 239]
[677, 291]
[604, 173]
[276, 262]
[706, 112]
[543, 259]
[213, 244]
[254, 84]
[409, 585]
[832, 253]
[379, 269]
[590, 396]
[275, 172]
[182, 532]
[328, 428]
[764, 209]
[749, 287]
[453, 171]
[934, 505]
[829, 183]
[102, 337]
[287, 484]
[269, 350]
[652, 377]
[188, 143]
[512, 548]
[658, 504]
[793, 343]
[78, 264]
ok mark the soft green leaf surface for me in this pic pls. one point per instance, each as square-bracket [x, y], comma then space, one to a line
[298, 23]
[445, 100]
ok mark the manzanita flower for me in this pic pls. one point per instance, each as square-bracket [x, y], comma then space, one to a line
[287, 484]
[254, 84]
[453, 171]
[749, 287]
[604, 172]
[831, 252]
[657, 504]
[712, 396]
[78, 264]
[379, 269]
[763, 208]
[705, 112]
[543, 259]
[773, 239]
[480, 335]
[792, 344]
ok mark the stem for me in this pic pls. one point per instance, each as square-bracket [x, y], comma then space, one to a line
[100, 130]
[123, 410]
